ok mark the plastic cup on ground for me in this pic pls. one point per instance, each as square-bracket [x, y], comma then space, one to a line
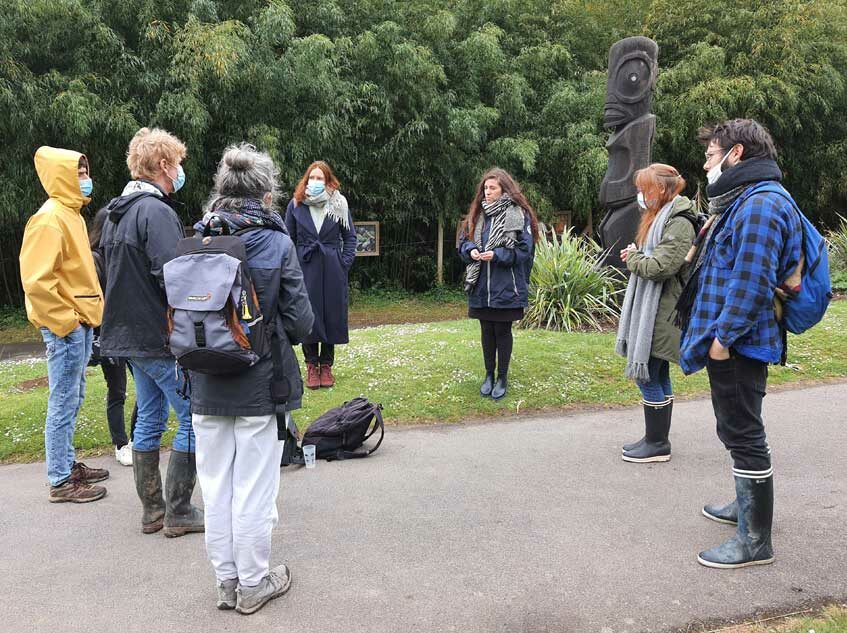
[309, 455]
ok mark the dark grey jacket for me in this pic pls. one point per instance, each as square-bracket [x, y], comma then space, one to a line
[139, 238]
[282, 295]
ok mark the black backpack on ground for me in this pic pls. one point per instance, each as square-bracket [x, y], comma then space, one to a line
[340, 431]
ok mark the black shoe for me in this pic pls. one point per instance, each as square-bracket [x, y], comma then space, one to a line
[656, 447]
[499, 389]
[751, 544]
[148, 485]
[487, 385]
[722, 514]
[633, 445]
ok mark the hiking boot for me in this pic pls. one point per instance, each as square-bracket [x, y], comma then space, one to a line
[251, 599]
[148, 486]
[656, 447]
[722, 514]
[83, 474]
[327, 379]
[313, 376]
[226, 594]
[487, 385]
[498, 391]
[180, 516]
[751, 544]
[75, 492]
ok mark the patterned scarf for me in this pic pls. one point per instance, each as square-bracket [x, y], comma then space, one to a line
[333, 203]
[251, 214]
[507, 219]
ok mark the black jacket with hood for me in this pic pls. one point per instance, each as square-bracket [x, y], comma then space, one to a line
[139, 237]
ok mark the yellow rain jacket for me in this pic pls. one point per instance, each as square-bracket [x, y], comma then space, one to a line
[57, 269]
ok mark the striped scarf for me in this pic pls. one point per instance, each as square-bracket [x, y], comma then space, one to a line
[506, 220]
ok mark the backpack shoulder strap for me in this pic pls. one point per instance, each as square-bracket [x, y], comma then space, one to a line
[376, 411]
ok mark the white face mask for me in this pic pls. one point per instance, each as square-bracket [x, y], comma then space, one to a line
[715, 172]
[641, 202]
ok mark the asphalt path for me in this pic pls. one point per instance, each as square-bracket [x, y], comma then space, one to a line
[529, 524]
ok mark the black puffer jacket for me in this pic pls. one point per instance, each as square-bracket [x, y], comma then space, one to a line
[139, 238]
[282, 295]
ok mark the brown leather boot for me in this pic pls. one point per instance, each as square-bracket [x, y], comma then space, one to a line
[313, 376]
[327, 379]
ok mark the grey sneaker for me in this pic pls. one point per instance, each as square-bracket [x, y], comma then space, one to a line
[226, 594]
[251, 599]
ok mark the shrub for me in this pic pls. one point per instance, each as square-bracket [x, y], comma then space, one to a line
[837, 239]
[570, 287]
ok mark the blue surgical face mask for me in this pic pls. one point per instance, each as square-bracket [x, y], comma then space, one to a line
[86, 187]
[315, 188]
[179, 181]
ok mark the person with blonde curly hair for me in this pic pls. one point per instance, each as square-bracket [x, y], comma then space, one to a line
[140, 235]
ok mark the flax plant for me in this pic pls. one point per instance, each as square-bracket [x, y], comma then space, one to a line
[570, 287]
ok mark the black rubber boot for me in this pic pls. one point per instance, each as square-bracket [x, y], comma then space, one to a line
[633, 445]
[656, 447]
[722, 514]
[180, 516]
[487, 385]
[751, 544]
[148, 485]
[498, 391]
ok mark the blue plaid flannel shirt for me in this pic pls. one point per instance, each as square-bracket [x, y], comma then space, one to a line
[756, 244]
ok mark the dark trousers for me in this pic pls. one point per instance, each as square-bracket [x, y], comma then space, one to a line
[738, 386]
[114, 371]
[496, 346]
[326, 356]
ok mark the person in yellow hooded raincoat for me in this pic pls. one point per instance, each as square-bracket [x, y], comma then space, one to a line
[63, 300]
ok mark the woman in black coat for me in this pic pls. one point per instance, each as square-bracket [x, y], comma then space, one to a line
[321, 227]
[498, 246]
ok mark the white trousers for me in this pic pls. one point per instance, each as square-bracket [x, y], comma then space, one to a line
[238, 469]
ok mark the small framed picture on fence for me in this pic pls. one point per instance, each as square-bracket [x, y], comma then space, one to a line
[367, 239]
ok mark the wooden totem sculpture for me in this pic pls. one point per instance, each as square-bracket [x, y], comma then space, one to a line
[633, 68]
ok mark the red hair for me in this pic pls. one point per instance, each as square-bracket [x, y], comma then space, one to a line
[331, 180]
[510, 188]
[660, 184]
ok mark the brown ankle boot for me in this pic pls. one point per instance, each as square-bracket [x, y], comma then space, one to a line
[313, 376]
[327, 379]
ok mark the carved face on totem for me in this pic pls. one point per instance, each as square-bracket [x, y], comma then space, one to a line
[633, 68]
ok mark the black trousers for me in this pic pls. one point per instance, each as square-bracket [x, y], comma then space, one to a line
[326, 356]
[114, 371]
[738, 386]
[496, 346]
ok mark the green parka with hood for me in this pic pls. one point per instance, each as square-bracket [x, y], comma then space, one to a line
[665, 264]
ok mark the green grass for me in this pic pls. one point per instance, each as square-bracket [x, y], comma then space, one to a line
[430, 372]
[833, 619]
[14, 328]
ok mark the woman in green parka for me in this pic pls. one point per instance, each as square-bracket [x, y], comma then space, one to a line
[647, 336]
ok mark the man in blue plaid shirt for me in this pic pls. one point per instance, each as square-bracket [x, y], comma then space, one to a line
[746, 250]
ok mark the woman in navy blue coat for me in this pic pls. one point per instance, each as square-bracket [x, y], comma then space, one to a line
[497, 245]
[319, 222]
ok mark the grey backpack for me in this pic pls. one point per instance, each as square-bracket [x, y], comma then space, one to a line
[215, 321]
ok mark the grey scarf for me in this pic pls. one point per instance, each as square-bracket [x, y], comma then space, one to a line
[638, 313]
[333, 204]
[507, 221]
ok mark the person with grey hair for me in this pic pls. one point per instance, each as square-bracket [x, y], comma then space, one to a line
[235, 416]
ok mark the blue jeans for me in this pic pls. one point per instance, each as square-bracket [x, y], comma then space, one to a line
[156, 382]
[658, 388]
[67, 357]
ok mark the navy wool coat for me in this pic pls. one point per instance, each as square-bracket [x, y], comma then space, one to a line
[325, 259]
